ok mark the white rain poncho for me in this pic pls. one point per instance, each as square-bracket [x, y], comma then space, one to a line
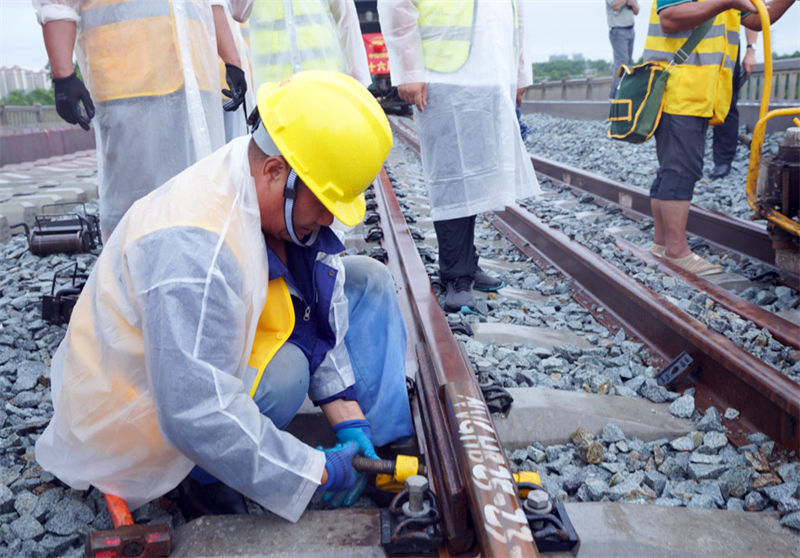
[152, 376]
[293, 35]
[151, 69]
[472, 153]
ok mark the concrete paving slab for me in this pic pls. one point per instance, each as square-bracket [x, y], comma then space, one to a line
[791, 315]
[40, 198]
[68, 195]
[18, 210]
[488, 332]
[551, 416]
[618, 530]
[606, 530]
[346, 533]
[729, 281]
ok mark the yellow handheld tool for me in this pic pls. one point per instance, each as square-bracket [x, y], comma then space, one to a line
[391, 475]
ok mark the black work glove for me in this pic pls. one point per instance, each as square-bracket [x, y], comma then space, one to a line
[69, 92]
[238, 87]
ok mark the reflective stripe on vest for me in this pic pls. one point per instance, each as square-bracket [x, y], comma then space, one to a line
[309, 43]
[274, 327]
[703, 85]
[131, 47]
[446, 30]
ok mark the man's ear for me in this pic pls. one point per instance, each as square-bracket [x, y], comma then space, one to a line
[273, 168]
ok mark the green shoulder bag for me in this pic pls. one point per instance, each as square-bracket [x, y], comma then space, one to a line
[636, 109]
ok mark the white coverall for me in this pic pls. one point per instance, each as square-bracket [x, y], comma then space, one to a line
[473, 157]
[153, 377]
[340, 21]
[151, 122]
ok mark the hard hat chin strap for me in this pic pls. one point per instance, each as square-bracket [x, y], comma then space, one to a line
[289, 195]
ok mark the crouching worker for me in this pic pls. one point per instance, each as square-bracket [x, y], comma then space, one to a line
[220, 302]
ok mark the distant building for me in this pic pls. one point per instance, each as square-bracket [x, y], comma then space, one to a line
[20, 79]
[577, 56]
[557, 57]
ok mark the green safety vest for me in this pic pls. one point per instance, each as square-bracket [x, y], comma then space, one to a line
[279, 50]
[446, 30]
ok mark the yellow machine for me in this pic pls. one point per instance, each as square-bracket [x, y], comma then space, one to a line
[774, 190]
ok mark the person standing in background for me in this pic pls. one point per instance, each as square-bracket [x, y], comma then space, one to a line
[462, 66]
[293, 35]
[235, 14]
[725, 137]
[620, 15]
[151, 68]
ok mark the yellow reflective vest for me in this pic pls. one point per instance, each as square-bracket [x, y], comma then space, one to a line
[293, 35]
[446, 30]
[133, 47]
[703, 84]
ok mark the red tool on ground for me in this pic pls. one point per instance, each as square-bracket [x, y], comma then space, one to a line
[128, 539]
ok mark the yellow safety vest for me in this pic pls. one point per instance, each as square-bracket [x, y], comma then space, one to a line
[275, 325]
[132, 47]
[703, 85]
[446, 30]
[308, 43]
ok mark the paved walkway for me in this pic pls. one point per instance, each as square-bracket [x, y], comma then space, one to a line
[26, 187]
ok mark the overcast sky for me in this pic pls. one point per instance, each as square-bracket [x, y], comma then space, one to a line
[554, 27]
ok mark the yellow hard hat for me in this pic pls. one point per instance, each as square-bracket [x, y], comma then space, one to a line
[332, 132]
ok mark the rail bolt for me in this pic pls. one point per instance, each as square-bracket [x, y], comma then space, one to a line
[538, 502]
[416, 505]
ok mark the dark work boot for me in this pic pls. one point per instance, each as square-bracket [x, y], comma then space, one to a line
[720, 171]
[485, 282]
[196, 500]
[459, 296]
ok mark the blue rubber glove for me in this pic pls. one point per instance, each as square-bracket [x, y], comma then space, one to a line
[341, 475]
[357, 431]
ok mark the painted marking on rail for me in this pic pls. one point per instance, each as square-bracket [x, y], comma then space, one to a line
[625, 200]
[503, 519]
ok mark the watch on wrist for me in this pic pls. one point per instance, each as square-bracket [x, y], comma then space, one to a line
[751, 46]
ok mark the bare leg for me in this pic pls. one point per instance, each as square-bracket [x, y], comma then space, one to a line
[658, 222]
[674, 214]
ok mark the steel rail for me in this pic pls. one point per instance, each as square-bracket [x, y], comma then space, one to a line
[782, 330]
[465, 456]
[726, 374]
[745, 237]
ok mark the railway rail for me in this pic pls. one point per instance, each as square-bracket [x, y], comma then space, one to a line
[722, 371]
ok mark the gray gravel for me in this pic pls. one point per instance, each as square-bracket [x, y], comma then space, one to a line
[40, 517]
[701, 469]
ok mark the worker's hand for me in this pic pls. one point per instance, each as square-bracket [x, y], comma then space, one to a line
[70, 91]
[357, 431]
[415, 93]
[237, 84]
[749, 62]
[344, 484]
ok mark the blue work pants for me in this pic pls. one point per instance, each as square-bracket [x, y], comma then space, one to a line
[376, 342]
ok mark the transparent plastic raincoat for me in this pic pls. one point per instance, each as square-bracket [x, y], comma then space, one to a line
[293, 35]
[151, 69]
[153, 377]
[470, 55]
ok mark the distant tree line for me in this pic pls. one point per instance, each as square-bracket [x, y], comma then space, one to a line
[556, 70]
